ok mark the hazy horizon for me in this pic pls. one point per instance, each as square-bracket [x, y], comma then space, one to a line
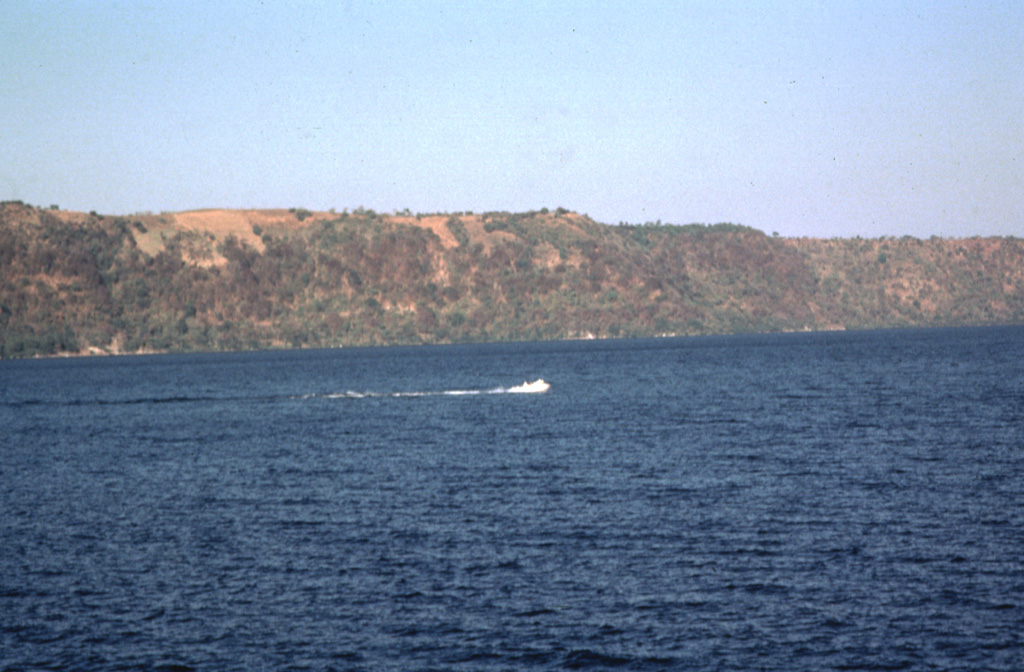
[803, 119]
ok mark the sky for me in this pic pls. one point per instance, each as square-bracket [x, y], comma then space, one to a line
[826, 119]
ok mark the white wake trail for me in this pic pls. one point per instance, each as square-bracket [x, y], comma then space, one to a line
[538, 386]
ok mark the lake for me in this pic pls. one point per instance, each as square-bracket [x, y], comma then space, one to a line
[846, 500]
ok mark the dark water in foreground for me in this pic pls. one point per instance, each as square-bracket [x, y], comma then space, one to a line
[794, 502]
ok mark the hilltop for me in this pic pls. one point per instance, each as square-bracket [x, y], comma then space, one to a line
[74, 282]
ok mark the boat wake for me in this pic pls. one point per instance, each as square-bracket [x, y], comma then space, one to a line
[538, 386]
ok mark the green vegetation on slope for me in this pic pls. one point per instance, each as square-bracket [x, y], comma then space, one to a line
[119, 284]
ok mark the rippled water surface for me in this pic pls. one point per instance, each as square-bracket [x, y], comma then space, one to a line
[791, 502]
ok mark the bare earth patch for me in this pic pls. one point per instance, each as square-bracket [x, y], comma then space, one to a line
[220, 223]
[436, 223]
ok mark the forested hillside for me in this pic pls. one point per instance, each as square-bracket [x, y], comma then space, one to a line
[231, 279]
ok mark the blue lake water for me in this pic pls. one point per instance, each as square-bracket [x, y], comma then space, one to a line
[781, 502]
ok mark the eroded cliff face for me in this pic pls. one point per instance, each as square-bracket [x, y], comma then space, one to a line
[241, 279]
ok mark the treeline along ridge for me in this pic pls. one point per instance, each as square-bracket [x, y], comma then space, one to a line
[245, 279]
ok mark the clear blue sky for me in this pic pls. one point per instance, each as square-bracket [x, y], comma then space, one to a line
[805, 118]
